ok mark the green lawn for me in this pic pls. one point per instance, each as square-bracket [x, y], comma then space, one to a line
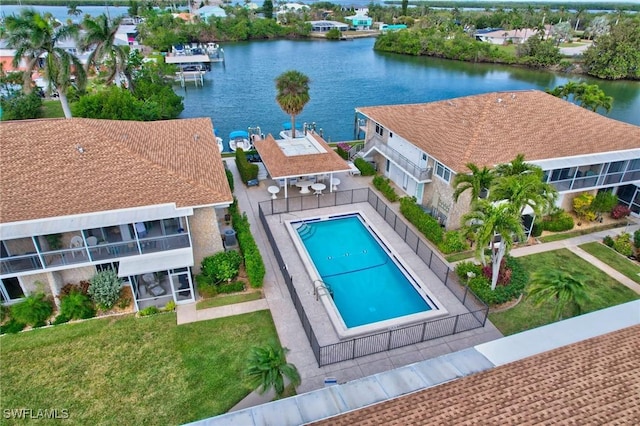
[602, 292]
[222, 300]
[614, 259]
[130, 371]
[52, 109]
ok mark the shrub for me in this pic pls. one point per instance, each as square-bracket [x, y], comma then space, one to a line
[149, 310]
[425, 223]
[34, 310]
[252, 258]
[343, 150]
[76, 305]
[232, 287]
[504, 273]
[170, 306]
[582, 206]
[383, 185]
[12, 326]
[605, 201]
[537, 229]
[104, 289]
[608, 241]
[622, 244]
[463, 268]
[481, 285]
[248, 171]
[223, 266]
[620, 211]
[229, 178]
[636, 238]
[453, 242]
[366, 168]
[206, 287]
[557, 222]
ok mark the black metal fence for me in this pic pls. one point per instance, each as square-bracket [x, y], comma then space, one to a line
[390, 339]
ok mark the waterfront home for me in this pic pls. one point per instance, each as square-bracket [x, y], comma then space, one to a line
[421, 147]
[79, 196]
[360, 21]
[501, 36]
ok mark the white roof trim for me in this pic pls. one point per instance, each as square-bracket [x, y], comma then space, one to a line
[586, 159]
[60, 224]
[153, 262]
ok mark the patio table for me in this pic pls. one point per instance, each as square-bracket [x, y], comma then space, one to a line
[304, 186]
[273, 190]
[334, 183]
[318, 187]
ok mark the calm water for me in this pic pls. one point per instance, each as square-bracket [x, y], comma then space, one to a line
[367, 286]
[346, 75]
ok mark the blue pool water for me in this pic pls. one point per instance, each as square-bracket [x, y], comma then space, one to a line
[367, 285]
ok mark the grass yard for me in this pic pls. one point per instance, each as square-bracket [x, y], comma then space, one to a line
[222, 300]
[558, 236]
[52, 108]
[127, 370]
[614, 259]
[602, 292]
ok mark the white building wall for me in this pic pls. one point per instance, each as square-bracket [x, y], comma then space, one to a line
[408, 150]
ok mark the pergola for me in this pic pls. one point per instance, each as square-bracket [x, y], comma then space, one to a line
[287, 159]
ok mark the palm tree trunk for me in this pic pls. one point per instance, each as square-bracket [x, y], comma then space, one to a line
[65, 104]
[497, 256]
[293, 126]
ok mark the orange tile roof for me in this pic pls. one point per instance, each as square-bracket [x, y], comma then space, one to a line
[595, 381]
[124, 164]
[493, 128]
[279, 165]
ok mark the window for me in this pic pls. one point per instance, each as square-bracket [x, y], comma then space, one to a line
[379, 129]
[443, 172]
[615, 167]
[390, 134]
[113, 266]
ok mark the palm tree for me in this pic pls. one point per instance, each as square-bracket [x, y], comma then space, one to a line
[100, 35]
[493, 225]
[479, 182]
[517, 166]
[72, 10]
[525, 190]
[560, 287]
[293, 94]
[267, 367]
[34, 38]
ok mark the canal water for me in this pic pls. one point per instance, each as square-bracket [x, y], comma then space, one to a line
[240, 92]
[347, 74]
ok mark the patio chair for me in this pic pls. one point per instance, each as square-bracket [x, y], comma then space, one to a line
[76, 242]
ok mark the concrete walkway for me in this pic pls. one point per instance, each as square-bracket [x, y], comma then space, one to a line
[189, 313]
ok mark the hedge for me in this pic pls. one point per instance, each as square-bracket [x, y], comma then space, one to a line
[425, 223]
[366, 169]
[252, 258]
[248, 171]
[383, 185]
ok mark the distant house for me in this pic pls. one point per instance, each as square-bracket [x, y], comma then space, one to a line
[296, 8]
[206, 12]
[79, 196]
[360, 21]
[501, 36]
[421, 147]
[324, 26]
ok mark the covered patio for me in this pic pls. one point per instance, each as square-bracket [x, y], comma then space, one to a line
[308, 163]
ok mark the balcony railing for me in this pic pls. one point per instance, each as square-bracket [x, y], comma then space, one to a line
[421, 174]
[100, 252]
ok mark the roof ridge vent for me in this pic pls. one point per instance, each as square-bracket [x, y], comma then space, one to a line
[80, 149]
[499, 100]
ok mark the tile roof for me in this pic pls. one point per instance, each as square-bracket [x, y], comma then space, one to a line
[279, 165]
[594, 381]
[493, 128]
[123, 164]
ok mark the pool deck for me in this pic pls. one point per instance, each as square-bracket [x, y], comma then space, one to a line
[284, 314]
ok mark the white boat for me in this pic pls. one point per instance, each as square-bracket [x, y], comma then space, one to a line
[220, 143]
[285, 133]
[240, 139]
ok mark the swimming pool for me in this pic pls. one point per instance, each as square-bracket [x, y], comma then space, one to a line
[360, 279]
